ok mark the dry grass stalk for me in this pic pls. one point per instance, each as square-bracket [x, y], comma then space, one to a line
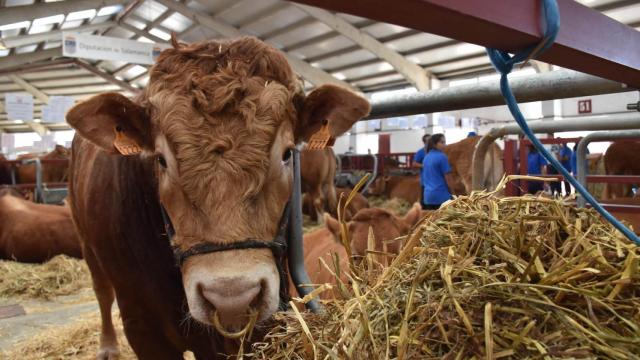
[396, 206]
[61, 275]
[483, 277]
[78, 340]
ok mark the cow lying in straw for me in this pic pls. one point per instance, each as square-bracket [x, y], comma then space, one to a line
[35, 233]
[326, 259]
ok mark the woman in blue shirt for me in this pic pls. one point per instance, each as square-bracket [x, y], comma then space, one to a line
[435, 173]
[536, 165]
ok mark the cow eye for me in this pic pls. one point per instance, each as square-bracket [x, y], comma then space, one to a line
[162, 161]
[286, 156]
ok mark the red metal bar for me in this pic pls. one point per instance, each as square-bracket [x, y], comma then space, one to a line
[510, 165]
[633, 209]
[524, 166]
[608, 179]
[588, 41]
[553, 140]
[614, 179]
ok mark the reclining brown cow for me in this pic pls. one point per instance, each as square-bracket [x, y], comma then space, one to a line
[324, 242]
[216, 126]
[35, 233]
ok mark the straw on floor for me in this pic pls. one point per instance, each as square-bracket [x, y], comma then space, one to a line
[483, 277]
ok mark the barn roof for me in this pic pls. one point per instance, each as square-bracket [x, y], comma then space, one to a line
[367, 55]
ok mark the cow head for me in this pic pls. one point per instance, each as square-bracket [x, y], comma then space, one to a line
[386, 227]
[221, 120]
[379, 185]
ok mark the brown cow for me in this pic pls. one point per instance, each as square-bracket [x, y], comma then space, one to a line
[57, 172]
[402, 187]
[460, 156]
[386, 228]
[321, 244]
[357, 203]
[324, 242]
[216, 125]
[5, 171]
[35, 233]
[317, 172]
[621, 159]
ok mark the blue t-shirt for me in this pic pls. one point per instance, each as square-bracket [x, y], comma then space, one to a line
[574, 162]
[419, 156]
[565, 151]
[535, 162]
[434, 168]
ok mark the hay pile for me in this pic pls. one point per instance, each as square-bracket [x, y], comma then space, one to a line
[483, 277]
[78, 340]
[61, 275]
[396, 206]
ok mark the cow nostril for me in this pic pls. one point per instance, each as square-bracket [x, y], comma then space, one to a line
[232, 300]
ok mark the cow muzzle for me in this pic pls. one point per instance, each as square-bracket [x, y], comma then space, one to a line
[232, 286]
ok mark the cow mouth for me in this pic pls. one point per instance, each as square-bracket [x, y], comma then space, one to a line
[227, 289]
[236, 330]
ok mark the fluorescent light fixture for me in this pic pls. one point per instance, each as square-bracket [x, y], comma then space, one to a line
[339, 75]
[109, 10]
[159, 33]
[84, 14]
[55, 19]
[12, 26]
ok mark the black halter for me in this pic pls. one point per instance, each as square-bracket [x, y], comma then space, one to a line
[288, 235]
[278, 246]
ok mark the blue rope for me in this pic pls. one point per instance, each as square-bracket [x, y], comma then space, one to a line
[504, 63]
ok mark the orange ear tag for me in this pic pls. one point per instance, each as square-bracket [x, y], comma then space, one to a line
[124, 144]
[321, 139]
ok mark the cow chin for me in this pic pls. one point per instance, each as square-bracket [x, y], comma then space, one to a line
[231, 285]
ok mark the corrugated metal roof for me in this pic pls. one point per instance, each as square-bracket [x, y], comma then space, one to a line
[280, 23]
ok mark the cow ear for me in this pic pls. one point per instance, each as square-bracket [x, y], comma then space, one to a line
[103, 116]
[332, 224]
[413, 215]
[341, 108]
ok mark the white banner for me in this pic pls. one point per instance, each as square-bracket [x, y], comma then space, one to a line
[8, 143]
[57, 108]
[110, 48]
[19, 106]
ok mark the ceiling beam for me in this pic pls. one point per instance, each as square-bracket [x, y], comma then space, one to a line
[26, 58]
[38, 94]
[416, 75]
[312, 74]
[588, 41]
[13, 14]
[35, 66]
[110, 78]
[22, 40]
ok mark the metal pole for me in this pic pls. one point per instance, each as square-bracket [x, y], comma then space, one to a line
[374, 174]
[546, 86]
[581, 152]
[296, 245]
[586, 123]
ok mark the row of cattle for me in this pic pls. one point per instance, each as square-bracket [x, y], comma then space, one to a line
[26, 173]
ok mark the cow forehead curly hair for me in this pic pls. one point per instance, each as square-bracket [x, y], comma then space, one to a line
[220, 105]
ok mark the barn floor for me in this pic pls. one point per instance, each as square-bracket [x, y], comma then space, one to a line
[68, 326]
[41, 315]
